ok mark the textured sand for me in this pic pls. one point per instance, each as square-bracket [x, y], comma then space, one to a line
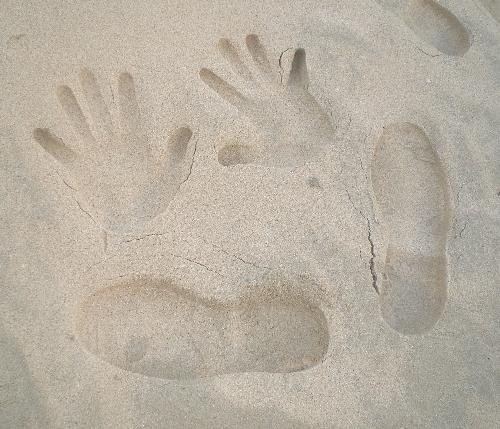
[250, 214]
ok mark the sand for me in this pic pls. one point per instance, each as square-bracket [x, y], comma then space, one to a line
[250, 214]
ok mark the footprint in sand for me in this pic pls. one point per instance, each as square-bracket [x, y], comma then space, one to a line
[155, 328]
[292, 126]
[114, 167]
[432, 23]
[411, 193]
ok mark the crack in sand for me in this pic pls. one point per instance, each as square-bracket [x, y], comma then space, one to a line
[85, 211]
[196, 263]
[153, 234]
[372, 258]
[463, 229]
[455, 218]
[280, 65]
[371, 262]
[192, 160]
[64, 181]
[239, 258]
[421, 50]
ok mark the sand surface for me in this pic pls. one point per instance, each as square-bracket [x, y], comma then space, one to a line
[250, 214]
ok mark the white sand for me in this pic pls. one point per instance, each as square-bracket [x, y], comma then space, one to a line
[250, 214]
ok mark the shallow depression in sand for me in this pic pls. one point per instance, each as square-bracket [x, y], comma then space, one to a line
[107, 150]
[292, 127]
[411, 193]
[437, 26]
[156, 328]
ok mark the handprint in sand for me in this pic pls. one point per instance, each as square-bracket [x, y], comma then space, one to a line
[112, 165]
[292, 127]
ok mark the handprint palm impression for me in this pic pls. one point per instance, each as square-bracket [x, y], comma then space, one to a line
[123, 183]
[293, 128]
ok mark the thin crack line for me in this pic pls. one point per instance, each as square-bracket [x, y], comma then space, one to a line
[239, 258]
[466, 223]
[372, 258]
[457, 204]
[68, 185]
[282, 72]
[370, 241]
[64, 181]
[153, 234]
[192, 160]
[85, 211]
[196, 263]
[421, 50]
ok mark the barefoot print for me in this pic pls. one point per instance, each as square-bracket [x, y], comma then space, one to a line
[411, 193]
[293, 128]
[113, 166]
[155, 328]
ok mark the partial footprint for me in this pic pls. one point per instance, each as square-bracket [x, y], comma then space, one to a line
[432, 23]
[411, 193]
[493, 7]
[292, 127]
[155, 328]
[122, 182]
